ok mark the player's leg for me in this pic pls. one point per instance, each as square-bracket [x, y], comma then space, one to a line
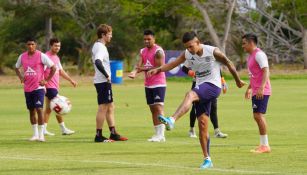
[39, 104]
[103, 98]
[204, 140]
[156, 110]
[64, 129]
[47, 113]
[30, 103]
[214, 120]
[259, 109]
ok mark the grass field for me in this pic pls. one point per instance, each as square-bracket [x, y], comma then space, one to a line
[78, 154]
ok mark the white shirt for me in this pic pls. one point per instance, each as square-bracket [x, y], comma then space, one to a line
[262, 59]
[206, 68]
[100, 51]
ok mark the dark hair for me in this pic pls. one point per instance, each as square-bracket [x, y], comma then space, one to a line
[149, 32]
[53, 40]
[30, 38]
[188, 36]
[208, 43]
[250, 37]
[103, 29]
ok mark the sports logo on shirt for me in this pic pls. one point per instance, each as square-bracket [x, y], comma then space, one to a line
[148, 64]
[30, 72]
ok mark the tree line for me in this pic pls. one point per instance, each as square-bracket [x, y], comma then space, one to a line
[280, 24]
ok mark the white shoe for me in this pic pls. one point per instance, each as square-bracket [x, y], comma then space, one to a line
[41, 139]
[156, 138]
[67, 131]
[219, 134]
[48, 133]
[33, 138]
[192, 134]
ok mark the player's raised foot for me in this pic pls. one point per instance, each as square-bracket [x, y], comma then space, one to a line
[33, 138]
[192, 133]
[67, 131]
[117, 137]
[156, 138]
[168, 121]
[219, 134]
[206, 164]
[102, 139]
[261, 149]
[47, 133]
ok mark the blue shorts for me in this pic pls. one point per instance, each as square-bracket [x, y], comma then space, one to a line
[104, 93]
[260, 106]
[155, 95]
[35, 99]
[207, 93]
[51, 93]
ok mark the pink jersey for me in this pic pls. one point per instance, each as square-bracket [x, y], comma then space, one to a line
[148, 58]
[256, 74]
[33, 70]
[55, 80]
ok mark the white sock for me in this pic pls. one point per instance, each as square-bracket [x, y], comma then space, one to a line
[161, 129]
[41, 129]
[35, 130]
[192, 129]
[172, 119]
[45, 129]
[208, 157]
[264, 140]
[62, 126]
[156, 130]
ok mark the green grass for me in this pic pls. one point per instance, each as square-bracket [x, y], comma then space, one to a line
[78, 154]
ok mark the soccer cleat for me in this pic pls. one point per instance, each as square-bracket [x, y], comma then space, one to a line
[41, 139]
[192, 134]
[206, 164]
[67, 131]
[219, 134]
[156, 138]
[33, 138]
[102, 139]
[169, 123]
[48, 133]
[117, 137]
[261, 149]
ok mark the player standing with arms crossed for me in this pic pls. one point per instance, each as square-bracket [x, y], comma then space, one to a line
[205, 61]
[259, 88]
[153, 56]
[52, 87]
[32, 62]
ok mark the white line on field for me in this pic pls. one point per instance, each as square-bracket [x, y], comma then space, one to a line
[146, 165]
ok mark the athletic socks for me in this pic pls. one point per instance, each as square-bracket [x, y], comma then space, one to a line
[41, 130]
[264, 140]
[112, 130]
[62, 126]
[160, 129]
[99, 132]
[35, 130]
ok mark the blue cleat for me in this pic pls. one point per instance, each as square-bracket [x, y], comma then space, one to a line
[206, 164]
[169, 123]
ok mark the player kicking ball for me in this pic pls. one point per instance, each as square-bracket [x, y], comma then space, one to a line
[205, 61]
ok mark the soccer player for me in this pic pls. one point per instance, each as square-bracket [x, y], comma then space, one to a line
[153, 56]
[52, 87]
[205, 61]
[259, 88]
[213, 114]
[102, 82]
[32, 62]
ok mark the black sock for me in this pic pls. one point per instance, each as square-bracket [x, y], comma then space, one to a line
[112, 130]
[99, 132]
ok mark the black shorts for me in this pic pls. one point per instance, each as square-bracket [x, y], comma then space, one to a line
[104, 93]
[260, 106]
[155, 95]
[51, 93]
[35, 99]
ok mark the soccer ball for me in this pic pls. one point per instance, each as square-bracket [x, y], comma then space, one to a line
[60, 105]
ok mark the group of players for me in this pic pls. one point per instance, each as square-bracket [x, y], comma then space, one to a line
[200, 61]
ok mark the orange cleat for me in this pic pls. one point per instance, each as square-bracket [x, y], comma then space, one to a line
[261, 149]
